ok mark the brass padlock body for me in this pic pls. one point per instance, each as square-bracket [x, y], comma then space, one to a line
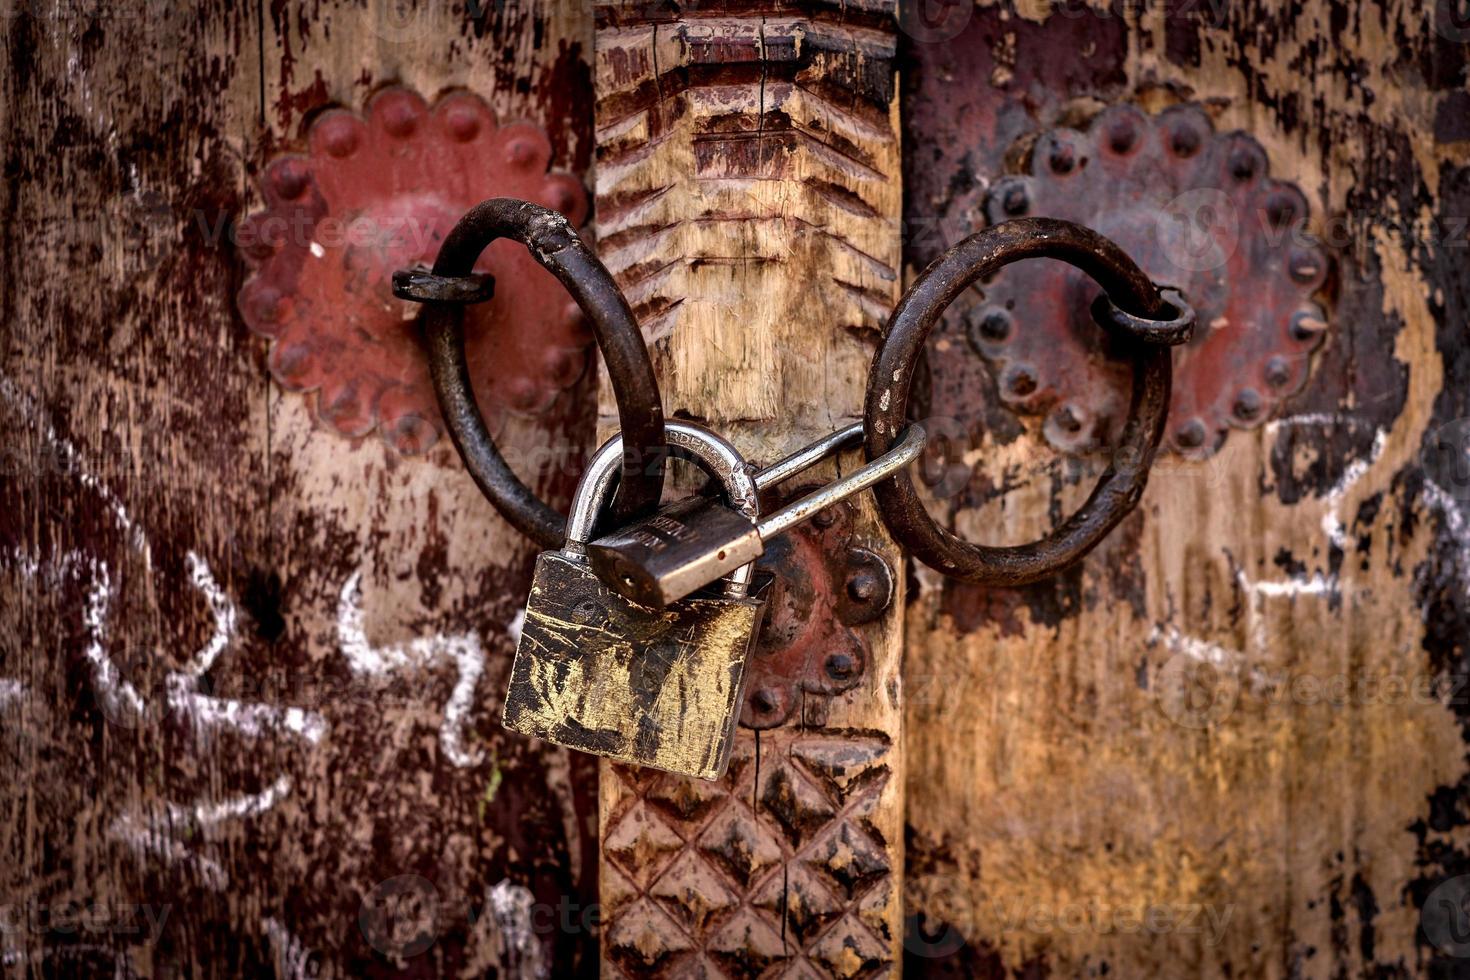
[597, 672]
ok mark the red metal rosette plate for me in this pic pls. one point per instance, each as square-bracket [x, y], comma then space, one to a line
[378, 193]
[1197, 210]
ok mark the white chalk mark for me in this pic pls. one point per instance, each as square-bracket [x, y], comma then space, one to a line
[512, 906]
[1223, 658]
[25, 406]
[11, 691]
[293, 959]
[462, 649]
[158, 831]
[1317, 584]
[1328, 419]
[162, 833]
[1459, 528]
[118, 699]
[252, 720]
[1331, 522]
[1196, 649]
[251, 805]
[152, 842]
[220, 607]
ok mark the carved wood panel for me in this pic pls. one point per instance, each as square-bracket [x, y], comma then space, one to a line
[747, 199]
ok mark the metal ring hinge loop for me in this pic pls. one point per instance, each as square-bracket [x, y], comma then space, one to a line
[1121, 485]
[422, 286]
[552, 241]
[1176, 326]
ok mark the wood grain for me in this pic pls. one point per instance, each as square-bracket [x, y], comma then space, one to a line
[251, 668]
[1238, 716]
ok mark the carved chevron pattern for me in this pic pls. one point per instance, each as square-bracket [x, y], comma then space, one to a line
[749, 154]
[776, 870]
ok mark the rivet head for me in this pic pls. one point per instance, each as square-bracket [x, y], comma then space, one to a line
[1062, 159]
[1069, 419]
[289, 178]
[1304, 266]
[267, 304]
[1014, 201]
[520, 152]
[990, 326]
[1184, 141]
[1122, 136]
[1020, 381]
[841, 666]
[412, 434]
[825, 518]
[339, 136]
[564, 365]
[1248, 404]
[1243, 164]
[1278, 372]
[463, 122]
[765, 701]
[1306, 325]
[1190, 435]
[1282, 209]
[863, 586]
[400, 118]
[522, 395]
[560, 198]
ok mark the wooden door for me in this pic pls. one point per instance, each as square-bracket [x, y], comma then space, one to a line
[258, 620]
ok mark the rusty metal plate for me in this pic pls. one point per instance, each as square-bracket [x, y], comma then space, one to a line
[1198, 210]
[379, 193]
[808, 649]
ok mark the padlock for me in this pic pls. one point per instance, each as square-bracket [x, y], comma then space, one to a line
[660, 560]
[599, 673]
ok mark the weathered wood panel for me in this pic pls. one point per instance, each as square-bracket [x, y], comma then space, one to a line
[747, 199]
[251, 668]
[1232, 743]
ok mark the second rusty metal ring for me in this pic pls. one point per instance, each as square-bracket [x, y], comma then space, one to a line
[554, 243]
[1121, 484]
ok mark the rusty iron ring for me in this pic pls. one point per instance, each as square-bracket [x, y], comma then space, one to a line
[554, 243]
[1176, 329]
[1121, 485]
[421, 286]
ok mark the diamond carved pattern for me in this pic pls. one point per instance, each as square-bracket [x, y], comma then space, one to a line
[775, 871]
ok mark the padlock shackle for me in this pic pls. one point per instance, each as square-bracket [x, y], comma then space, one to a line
[686, 439]
[808, 456]
[902, 453]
